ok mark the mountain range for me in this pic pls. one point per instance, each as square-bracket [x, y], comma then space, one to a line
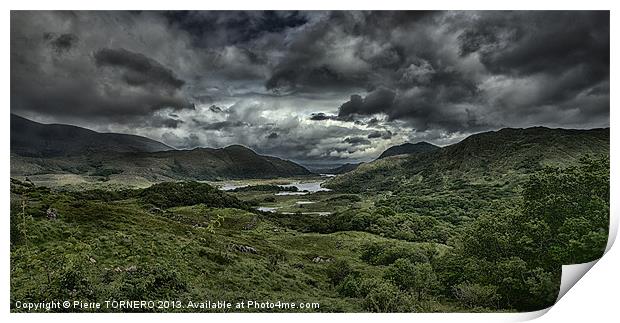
[62, 149]
[505, 154]
[33, 139]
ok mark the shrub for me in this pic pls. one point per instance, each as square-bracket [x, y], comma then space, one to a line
[148, 283]
[275, 258]
[416, 277]
[383, 297]
[345, 198]
[476, 295]
[350, 286]
[387, 253]
[266, 188]
[337, 271]
[73, 282]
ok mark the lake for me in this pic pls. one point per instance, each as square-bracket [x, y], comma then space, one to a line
[302, 187]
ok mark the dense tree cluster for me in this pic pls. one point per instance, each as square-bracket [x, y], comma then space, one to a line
[266, 188]
[170, 194]
[509, 257]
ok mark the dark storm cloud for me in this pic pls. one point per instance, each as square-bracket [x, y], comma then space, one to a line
[215, 108]
[61, 43]
[293, 84]
[533, 42]
[317, 77]
[138, 70]
[86, 82]
[378, 134]
[222, 125]
[533, 64]
[166, 122]
[377, 101]
[356, 141]
[570, 47]
[424, 107]
[373, 122]
[343, 50]
[321, 116]
[206, 27]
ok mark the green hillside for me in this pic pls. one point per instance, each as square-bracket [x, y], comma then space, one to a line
[502, 155]
[474, 248]
[232, 162]
[484, 225]
[177, 241]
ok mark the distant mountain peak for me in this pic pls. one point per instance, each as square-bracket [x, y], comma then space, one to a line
[344, 168]
[34, 139]
[238, 147]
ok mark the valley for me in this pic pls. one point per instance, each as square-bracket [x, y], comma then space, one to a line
[483, 225]
[315, 161]
[113, 240]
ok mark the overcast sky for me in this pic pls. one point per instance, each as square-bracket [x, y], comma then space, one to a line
[311, 86]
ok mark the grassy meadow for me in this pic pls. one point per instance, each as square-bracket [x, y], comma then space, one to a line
[489, 245]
